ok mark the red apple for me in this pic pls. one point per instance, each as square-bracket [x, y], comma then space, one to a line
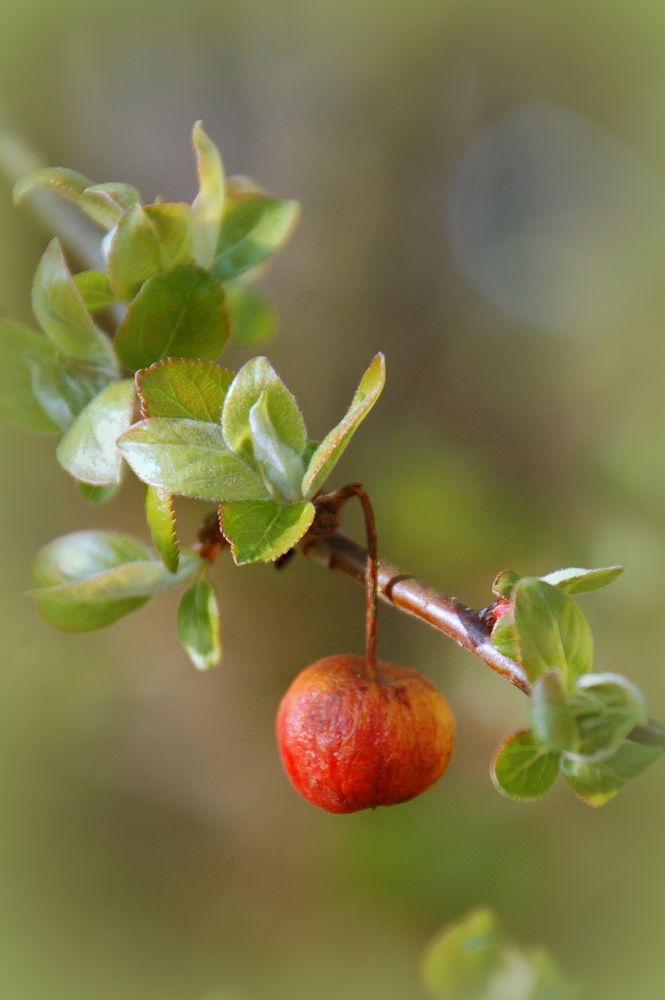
[348, 742]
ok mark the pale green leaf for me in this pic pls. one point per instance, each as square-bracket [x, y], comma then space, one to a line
[472, 959]
[58, 306]
[461, 959]
[114, 197]
[523, 769]
[98, 494]
[198, 625]
[103, 203]
[89, 579]
[528, 975]
[581, 581]
[504, 636]
[605, 708]
[240, 184]
[252, 319]
[180, 313]
[95, 289]
[185, 388]
[88, 450]
[255, 378]
[65, 388]
[148, 241]
[68, 183]
[160, 515]
[84, 554]
[552, 719]
[309, 450]
[504, 582]
[334, 444]
[23, 352]
[264, 531]
[597, 783]
[208, 206]
[189, 458]
[282, 466]
[254, 226]
[552, 632]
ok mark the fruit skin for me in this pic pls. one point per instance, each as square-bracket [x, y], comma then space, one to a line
[350, 743]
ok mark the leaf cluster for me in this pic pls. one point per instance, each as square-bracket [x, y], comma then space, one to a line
[580, 721]
[240, 441]
[124, 370]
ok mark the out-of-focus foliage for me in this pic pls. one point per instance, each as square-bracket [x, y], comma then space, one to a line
[473, 959]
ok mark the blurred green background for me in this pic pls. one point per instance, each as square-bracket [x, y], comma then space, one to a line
[483, 191]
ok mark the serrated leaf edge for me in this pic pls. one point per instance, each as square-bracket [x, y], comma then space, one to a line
[495, 757]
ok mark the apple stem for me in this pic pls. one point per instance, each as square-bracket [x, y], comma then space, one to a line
[331, 503]
[372, 580]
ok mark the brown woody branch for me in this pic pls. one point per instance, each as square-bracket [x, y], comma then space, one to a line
[335, 551]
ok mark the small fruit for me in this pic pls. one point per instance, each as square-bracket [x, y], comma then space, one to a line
[350, 742]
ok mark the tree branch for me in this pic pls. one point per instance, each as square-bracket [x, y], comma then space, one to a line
[333, 550]
[447, 615]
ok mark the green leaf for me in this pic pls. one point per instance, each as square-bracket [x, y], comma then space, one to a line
[472, 959]
[254, 227]
[252, 319]
[310, 448]
[581, 581]
[58, 306]
[572, 580]
[189, 458]
[88, 450]
[148, 241]
[552, 719]
[208, 206]
[63, 389]
[264, 531]
[254, 379]
[98, 494]
[103, 203]
[95, 289]
[523, 769]
[552, 633]
[114, 196]
[198, 625]
[528, 975]
[283, 467]
[597, 783]
[68, 183]
[504, 636]
[189, 389]
[22, 353]
[334, 444]
[461, 959]
[239, 184]
[89, 579]
[83, 554]
[160, 514]
[180, 313]
[504, 583]
[605, 707]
